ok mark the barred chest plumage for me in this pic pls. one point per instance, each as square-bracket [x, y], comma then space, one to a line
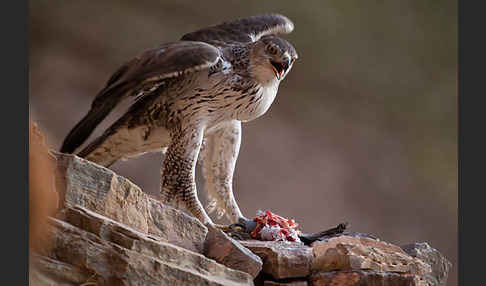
[223, 96]
[256, 105]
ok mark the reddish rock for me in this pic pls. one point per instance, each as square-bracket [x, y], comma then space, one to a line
[43, 198]
[282, 259]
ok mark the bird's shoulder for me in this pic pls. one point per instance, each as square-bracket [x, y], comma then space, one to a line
[167, 61]
[152, 68]
[235, 57]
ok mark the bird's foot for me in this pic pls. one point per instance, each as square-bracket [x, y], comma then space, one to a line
[245, 225]
[225, 228]
[240, 230]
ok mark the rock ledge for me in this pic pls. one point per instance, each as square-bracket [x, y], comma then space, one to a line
[108, 232]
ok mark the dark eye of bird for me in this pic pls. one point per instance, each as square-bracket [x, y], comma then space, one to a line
[272, 49]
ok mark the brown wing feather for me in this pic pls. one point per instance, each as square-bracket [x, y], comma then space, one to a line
[167, 61]
[243, 30]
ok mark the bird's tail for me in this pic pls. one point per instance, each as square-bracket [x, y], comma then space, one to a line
[83, 129]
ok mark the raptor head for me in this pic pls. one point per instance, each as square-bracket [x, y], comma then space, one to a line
[271, 58]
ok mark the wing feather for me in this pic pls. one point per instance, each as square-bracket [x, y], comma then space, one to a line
[167, 61]
[243, 30]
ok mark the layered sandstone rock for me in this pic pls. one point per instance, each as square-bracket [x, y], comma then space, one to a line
[82, 183]
[108, 232]
[282, 259]
[227, 251]
[349, 259]
[355, 253]
[101, 251]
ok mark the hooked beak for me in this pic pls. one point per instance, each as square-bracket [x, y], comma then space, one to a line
[280, 68]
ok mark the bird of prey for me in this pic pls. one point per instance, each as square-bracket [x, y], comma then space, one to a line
[189, 98]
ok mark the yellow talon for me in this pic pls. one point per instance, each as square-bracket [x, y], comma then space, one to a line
[229, 228]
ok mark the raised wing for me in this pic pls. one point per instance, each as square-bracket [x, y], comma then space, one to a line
[166, 61]
[242, 30]
[152, 66]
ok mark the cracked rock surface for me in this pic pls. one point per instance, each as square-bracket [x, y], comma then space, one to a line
[108, 232]
[349, 259]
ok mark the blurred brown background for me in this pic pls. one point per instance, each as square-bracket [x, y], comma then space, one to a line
[364, 128]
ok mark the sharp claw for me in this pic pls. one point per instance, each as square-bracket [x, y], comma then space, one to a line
[225, 228]
[237, 227]
[243, 227]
